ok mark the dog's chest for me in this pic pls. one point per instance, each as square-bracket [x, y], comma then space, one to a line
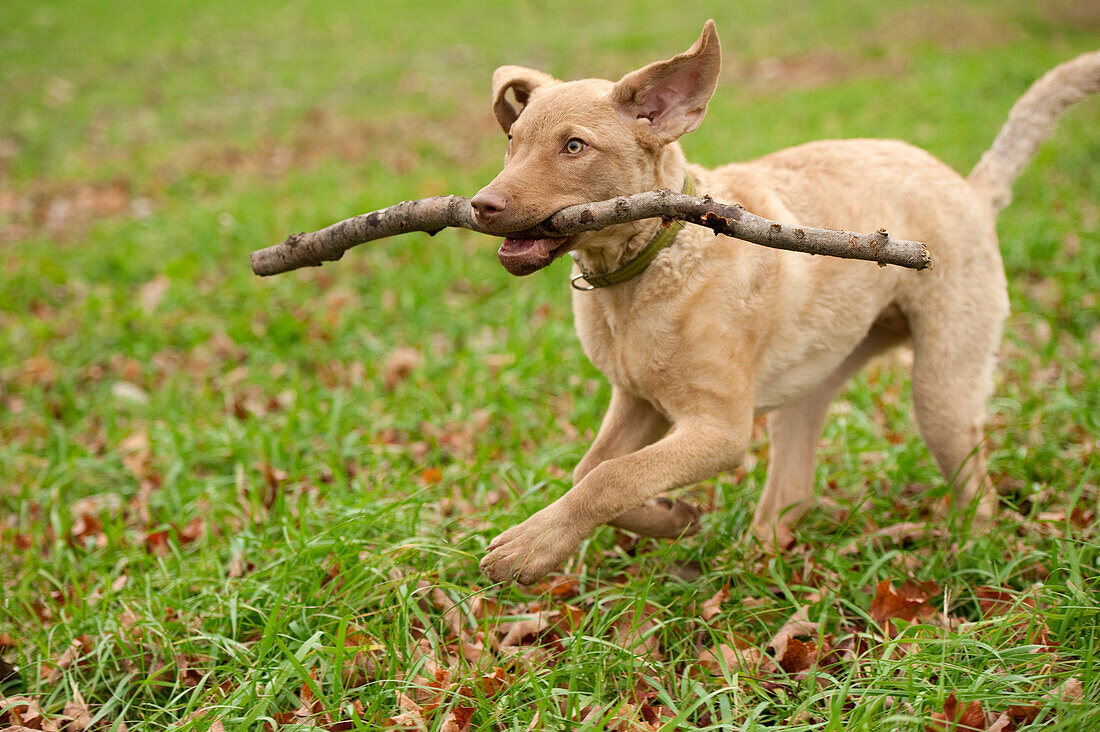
[633, 344]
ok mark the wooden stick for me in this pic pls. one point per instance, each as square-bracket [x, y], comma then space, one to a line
[439, 212]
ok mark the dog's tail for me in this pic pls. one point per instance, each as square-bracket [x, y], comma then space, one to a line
[1031, 121]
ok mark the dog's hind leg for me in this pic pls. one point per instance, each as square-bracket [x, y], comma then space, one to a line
[952, 379]
[794, 430]
[630, 424]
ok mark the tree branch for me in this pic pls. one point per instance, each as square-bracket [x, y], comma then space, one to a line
[439, 212]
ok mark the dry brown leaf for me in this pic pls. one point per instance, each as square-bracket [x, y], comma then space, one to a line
[80, 647]
[156, 541]
[152, 292]
[738, 658]
[628, 718]
[635, 632]
[958, 718]
[431, 476]
[713, 606]
[1071, 691]
[457, 719]
[999, 601]
[525, 631]
[798, 624]
[21, 712]
[406, 722]
[902, 533]
[136, 455]
[192, 531]
[995, 601]
[410, 718]
[561, 587]
[238, 565]
[88, 526]
[799, 656]
[186, 673]
[494, 683]
[399, 364]
[80, 718]
[909, 603]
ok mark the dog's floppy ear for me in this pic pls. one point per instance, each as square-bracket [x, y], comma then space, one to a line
[522, 81]
[673, 94]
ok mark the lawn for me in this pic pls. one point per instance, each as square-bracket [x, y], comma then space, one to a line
[238, 503]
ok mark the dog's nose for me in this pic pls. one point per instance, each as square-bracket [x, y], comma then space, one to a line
[488, 205]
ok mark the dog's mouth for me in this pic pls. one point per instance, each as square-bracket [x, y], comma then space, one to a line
[524, 256]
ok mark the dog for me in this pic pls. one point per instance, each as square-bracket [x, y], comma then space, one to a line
[714, 331]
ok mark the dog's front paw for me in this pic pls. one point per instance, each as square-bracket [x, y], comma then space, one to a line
[526, 552]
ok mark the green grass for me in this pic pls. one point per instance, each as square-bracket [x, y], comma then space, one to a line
[152, 141]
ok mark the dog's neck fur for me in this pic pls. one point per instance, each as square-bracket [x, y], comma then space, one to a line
[600, 252]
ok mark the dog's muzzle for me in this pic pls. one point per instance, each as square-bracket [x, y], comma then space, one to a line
[524, 256]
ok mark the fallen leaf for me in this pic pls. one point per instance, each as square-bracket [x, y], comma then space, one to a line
[737, 658]
[494, 683]
[635, 631]
[909, 603]
[1000, 601]
[798, 624]
[21, 712]
[78, 713]
[903, 533]
[561, 587]
[399, 365]
[457, 719]
[192, 531]
[136, 454]
[156, 541]
[152, 292]
[958, 718]
[126, 391]
[1071, 691]
[712, 606]
[88, 526]
[80, 647]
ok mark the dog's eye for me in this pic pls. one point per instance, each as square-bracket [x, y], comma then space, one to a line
[574, 146]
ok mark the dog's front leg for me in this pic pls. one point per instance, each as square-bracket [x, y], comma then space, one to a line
[695, 449]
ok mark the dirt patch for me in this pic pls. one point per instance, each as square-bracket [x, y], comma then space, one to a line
[396, 142]
[1076, 14]
[950, 26]
[63, 210]
[816, 68]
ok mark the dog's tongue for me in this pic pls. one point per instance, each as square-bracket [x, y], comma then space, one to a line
[524, 256]
[535, 247]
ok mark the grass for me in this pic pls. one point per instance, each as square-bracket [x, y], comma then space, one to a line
[225, 490]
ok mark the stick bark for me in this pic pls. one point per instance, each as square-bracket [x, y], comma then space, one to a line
[434, 214]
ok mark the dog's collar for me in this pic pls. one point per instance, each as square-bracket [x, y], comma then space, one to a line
[664, 237]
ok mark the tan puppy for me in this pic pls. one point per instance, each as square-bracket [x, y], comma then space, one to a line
[715, 330]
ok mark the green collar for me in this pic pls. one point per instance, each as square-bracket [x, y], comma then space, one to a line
[664, 237]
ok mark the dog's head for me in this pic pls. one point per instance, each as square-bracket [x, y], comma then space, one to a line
[590, 140]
